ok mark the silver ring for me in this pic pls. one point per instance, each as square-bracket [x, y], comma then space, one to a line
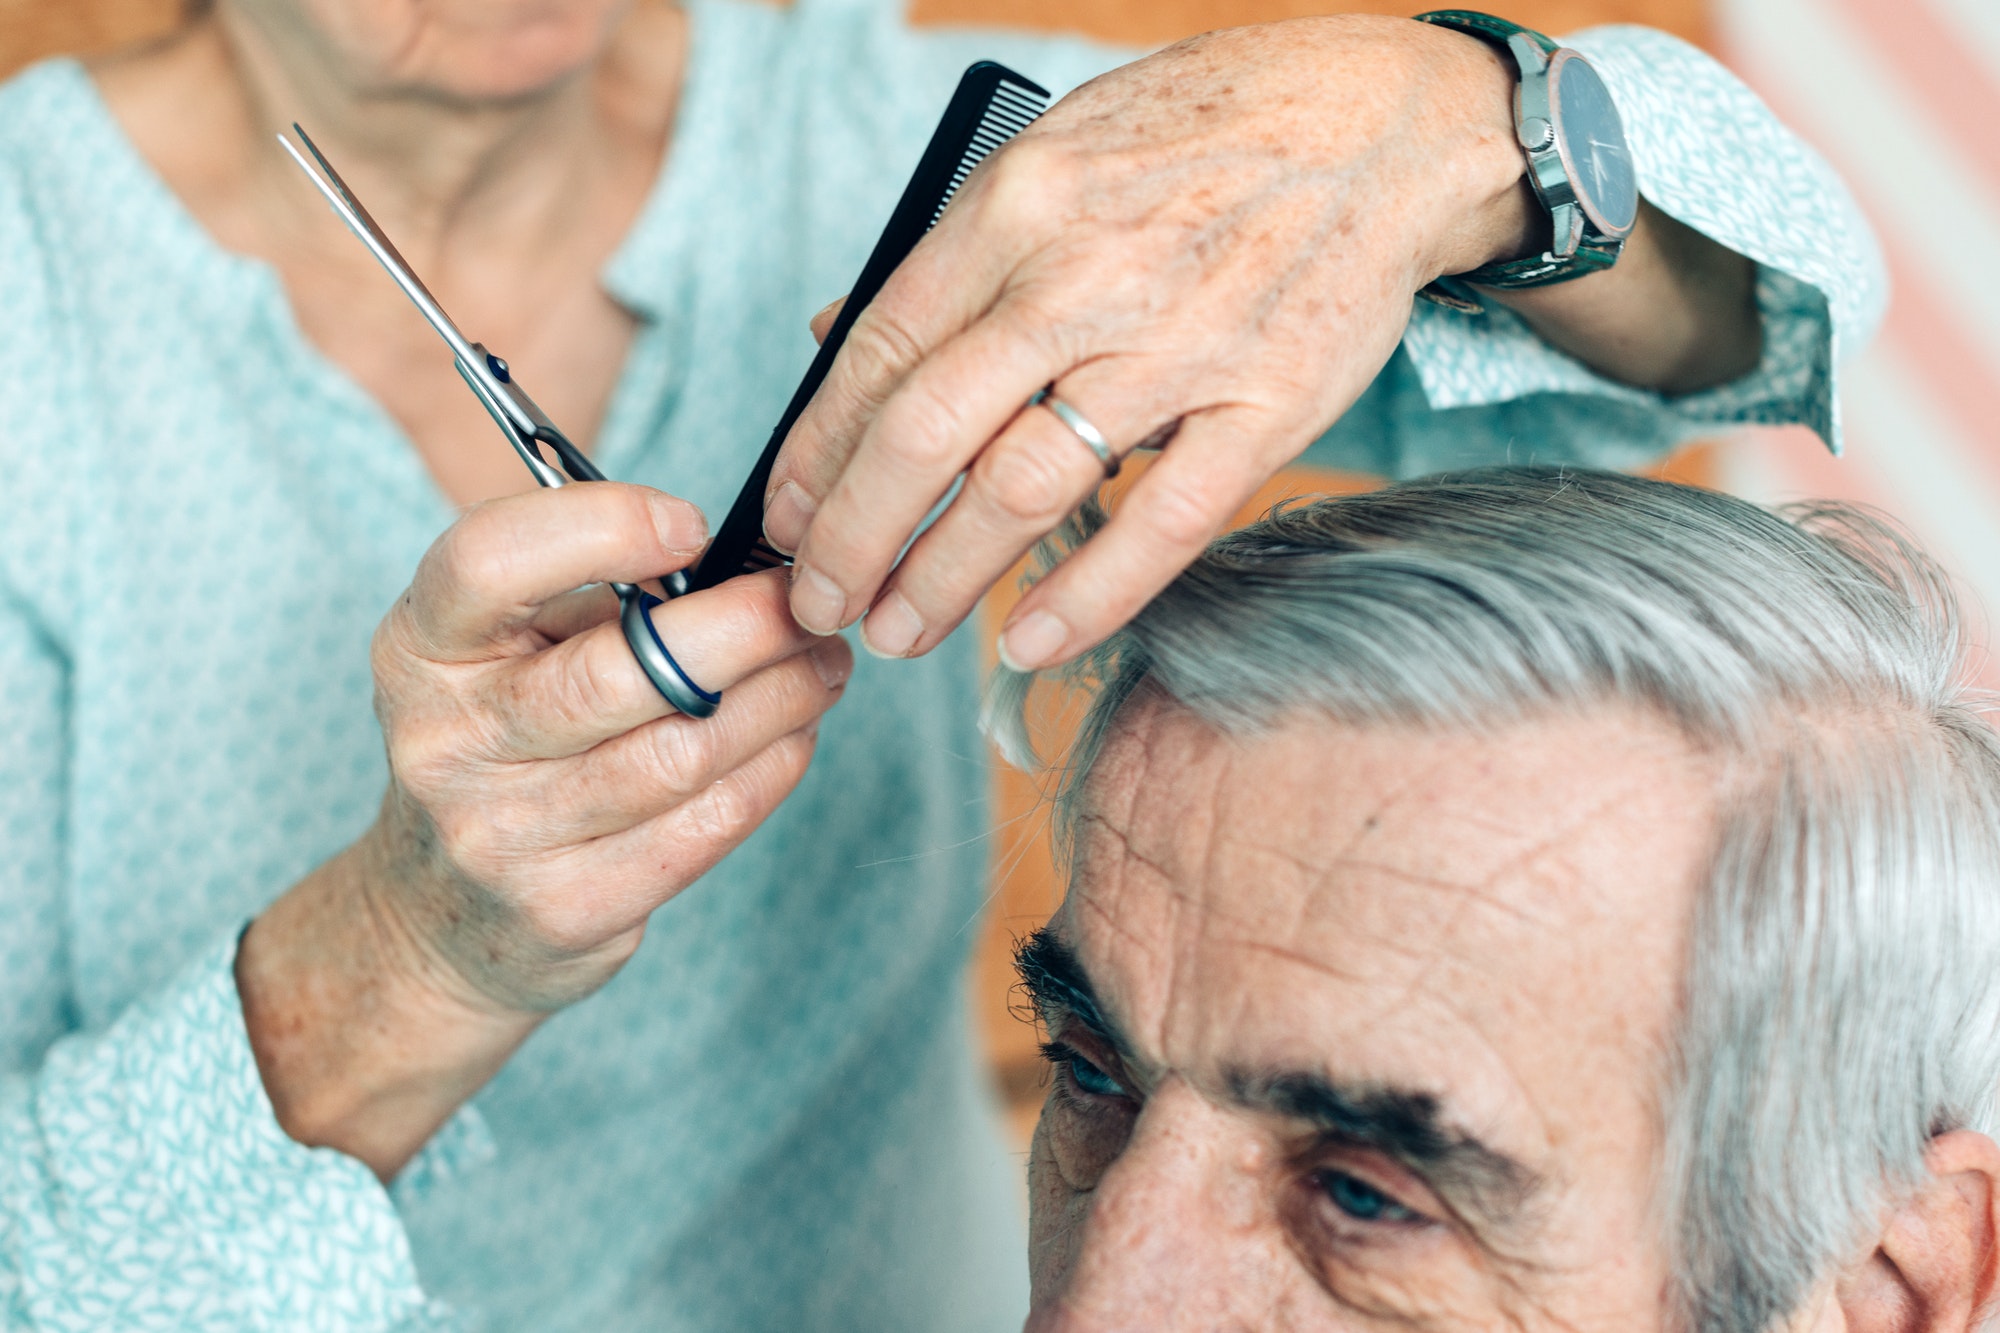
[1079, 426]
[674, 685]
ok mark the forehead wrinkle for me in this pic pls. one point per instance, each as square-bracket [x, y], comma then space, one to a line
[1486, 889]
[1389, 799]
[1146, 958]
[1087, 892]
[1182, 1010]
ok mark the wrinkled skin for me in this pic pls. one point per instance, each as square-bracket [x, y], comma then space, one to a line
[1498, 923]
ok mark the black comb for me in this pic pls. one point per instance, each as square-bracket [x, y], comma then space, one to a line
[991, 106]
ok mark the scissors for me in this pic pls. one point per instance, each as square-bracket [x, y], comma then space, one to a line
[524, 424]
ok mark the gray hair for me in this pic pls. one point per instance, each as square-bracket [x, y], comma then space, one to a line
[1842, 1005]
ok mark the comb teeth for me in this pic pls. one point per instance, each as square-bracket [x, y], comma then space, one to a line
[1011, 111]
[991, 106]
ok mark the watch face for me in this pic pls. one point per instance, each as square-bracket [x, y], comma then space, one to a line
[1591, 139]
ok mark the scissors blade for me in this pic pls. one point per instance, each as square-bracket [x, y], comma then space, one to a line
[342, 199]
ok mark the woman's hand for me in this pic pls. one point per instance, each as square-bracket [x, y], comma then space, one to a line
[1218, 244]
[1220, 240]
[543, 801]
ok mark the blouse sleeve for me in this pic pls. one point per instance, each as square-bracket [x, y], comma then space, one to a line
[1472, 388]
[144, 1180]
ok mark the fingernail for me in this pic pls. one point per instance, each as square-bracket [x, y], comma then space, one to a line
[833, 662]
[818, 604]
[892, 628]
[680, 525]
[788, 516]
[1032, 642]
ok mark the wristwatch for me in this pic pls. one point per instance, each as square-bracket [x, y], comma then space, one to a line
[1578, 161]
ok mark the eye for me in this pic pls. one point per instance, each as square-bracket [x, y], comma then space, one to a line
[1362, 1201]
[1093, 1080]
[1088, 1118]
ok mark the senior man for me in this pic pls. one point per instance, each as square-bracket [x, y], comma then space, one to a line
[1527, 900]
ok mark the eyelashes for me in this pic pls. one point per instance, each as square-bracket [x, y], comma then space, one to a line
[1078, 1073]
[1363, 1202]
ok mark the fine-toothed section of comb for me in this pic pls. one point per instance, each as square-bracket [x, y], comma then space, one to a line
[1011, 111]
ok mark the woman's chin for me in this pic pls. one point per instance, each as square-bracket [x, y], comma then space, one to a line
[497, 69]
[495, 51]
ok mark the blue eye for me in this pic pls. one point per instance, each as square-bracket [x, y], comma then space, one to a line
[1362, 1201]
[1094, 1080]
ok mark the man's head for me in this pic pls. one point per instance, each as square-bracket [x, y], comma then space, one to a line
[1526, 901]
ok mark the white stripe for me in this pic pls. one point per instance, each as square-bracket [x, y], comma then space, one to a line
[1979, 22]
[1922, 190]
[1926, 466]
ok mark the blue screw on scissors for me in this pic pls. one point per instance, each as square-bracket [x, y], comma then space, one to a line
[525, 425]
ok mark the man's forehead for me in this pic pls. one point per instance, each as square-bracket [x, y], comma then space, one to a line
[1483, 910]
[1559, 823]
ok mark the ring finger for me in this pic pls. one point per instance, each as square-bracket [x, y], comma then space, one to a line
[1019, 489]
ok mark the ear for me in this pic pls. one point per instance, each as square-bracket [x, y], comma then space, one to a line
[1936, 1266]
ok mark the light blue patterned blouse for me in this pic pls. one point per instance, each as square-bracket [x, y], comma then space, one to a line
[773, 1118]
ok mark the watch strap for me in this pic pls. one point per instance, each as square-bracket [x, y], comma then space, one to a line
[1592, 254]
[1545, 270]
[1487, 27]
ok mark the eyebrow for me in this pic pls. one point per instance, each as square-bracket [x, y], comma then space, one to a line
[1058, 984]
[1478, 1182]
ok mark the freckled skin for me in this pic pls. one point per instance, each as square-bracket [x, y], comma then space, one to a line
[1500, 921]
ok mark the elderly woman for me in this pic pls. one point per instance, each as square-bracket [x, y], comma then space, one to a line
[382, 1104]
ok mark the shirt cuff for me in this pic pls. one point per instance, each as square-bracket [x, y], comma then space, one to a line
[162, 1141]
[1466, 360]
[1711, 155]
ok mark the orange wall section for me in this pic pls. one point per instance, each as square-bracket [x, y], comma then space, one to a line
[32, 29]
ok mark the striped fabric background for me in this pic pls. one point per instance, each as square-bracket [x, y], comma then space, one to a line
[1904, 97]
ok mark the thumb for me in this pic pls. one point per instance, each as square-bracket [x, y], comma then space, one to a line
[822, 323]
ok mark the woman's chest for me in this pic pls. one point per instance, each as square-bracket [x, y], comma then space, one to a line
[556, 326]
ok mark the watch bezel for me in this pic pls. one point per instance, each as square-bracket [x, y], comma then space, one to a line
[1584, 197]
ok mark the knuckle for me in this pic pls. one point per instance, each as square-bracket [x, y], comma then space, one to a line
[565, 922]
[469, 559]
[424, 755]
[586, 686]
[791, 758]
[469, 835]
[1181, 517]
[881, 349]
[919, 431]
[1024, 483]
[1021, 179]
[723, 814]
[678, 752]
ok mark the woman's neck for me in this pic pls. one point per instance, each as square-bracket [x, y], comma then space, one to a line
[507, 207]
[496, 180]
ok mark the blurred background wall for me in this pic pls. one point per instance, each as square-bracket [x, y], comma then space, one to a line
[1902, 95]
